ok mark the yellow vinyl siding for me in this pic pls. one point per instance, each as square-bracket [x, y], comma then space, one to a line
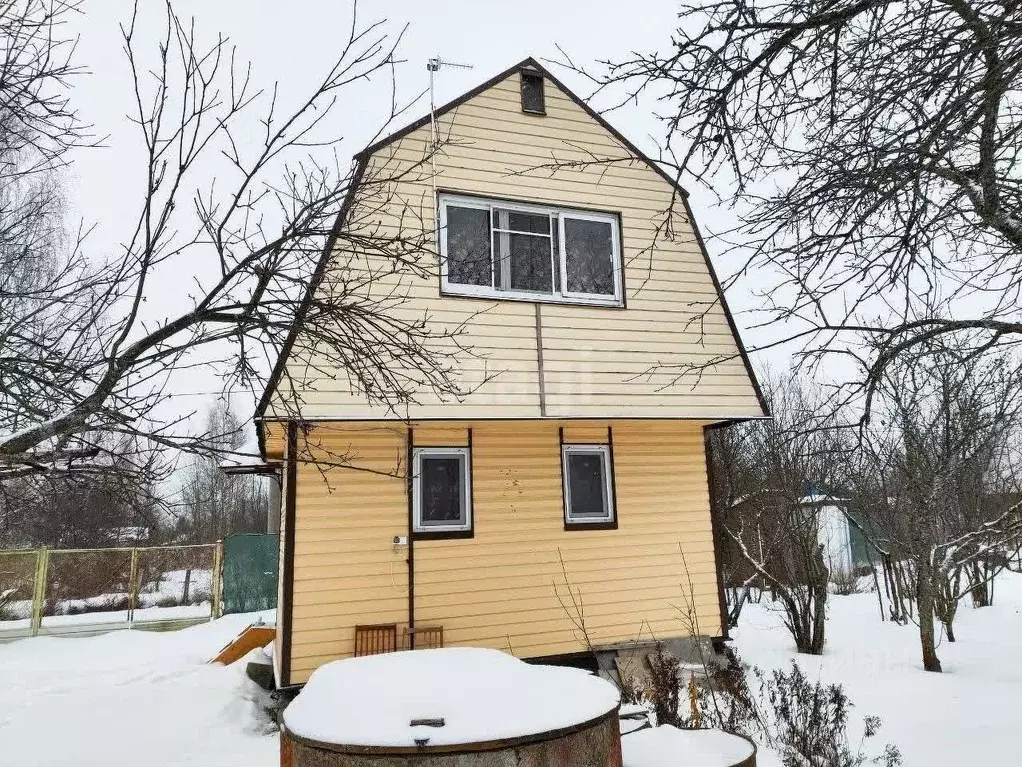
[596, 362]
[346, 568]
[504, 588]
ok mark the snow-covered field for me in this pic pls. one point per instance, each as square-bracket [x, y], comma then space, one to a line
[968, 715]
[127, 696]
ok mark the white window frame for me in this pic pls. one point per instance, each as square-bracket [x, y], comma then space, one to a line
[608, 480]
[558, 261]
[462, 453]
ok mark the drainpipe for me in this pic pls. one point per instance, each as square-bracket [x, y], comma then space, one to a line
[411, 543]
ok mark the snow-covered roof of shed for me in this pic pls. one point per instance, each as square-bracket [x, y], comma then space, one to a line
[481, 695]
[805, 500]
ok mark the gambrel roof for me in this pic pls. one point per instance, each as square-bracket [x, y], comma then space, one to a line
[363, 157]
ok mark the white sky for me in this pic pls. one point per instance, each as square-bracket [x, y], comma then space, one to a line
[295, 42]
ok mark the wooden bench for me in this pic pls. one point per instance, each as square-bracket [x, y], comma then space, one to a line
[375, 639]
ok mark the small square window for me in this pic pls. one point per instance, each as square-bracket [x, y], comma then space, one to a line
[532, 93]
[441, 496]
[588, 493]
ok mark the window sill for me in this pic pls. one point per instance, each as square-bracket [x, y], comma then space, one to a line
[611, 525]
[537, 299]
[440, 535]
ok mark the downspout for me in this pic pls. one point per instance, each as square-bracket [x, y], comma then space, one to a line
[539, 362]
[411, 543]
[715, 528]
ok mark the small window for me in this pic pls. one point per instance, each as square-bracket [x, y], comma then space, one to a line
[441, 497]
[588, 497]
[532, 93]
[499, 249]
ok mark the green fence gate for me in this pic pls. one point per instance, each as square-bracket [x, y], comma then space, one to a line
[249, 572]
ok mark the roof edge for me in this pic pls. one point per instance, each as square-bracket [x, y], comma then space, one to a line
[524, 63]
[303, 309]
[362, 158]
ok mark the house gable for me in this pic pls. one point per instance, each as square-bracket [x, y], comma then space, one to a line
[541, 360]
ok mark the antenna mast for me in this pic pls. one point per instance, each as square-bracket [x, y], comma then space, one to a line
[433, 66]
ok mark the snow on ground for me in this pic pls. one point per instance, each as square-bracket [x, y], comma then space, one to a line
[106, 701]
[968, 715]
[132, 697]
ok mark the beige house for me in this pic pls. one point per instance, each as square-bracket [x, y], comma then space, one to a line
[559, 504]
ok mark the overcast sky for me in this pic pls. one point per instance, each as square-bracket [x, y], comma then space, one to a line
[294, 43]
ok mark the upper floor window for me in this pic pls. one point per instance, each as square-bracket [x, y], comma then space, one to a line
[532, 93]
[501, 249]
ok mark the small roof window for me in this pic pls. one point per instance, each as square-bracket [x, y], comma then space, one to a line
[532, 93]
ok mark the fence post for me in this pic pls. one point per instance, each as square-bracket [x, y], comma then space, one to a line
[216, 583]
[133, 587]
[42, 566]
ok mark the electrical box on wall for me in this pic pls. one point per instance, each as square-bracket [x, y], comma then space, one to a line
[400, 540]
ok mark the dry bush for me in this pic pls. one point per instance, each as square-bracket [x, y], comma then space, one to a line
[844, 582]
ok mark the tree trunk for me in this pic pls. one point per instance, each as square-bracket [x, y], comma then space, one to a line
[819, 618]
[949, 629]
[980, 593]
[925, 604]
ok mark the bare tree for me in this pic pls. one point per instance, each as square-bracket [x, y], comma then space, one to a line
[123, 505]
[872, 149]
[936, 473]
[773, 536]
[215, 504]
[243, 196]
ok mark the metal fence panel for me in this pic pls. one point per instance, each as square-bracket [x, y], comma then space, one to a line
[93, 583]
[87, 591]
[175, 582]
[17, 587]
[249, 572]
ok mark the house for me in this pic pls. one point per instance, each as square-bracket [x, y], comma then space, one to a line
[762, 519]
[841, 532]
[561, 503]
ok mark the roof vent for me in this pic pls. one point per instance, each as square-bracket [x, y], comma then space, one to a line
[532, 93]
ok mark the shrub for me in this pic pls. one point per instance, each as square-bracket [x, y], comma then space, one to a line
[809, 723]
[844, 582]
[664, 685]
[805, 722]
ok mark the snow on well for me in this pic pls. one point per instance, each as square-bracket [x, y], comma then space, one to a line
[482, 695]
[667, 746]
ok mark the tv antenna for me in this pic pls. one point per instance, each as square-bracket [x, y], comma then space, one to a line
[433, 66]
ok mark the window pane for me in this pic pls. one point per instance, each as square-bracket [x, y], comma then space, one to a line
[468, 246]
[589, 256]
[532, 92]
[524, 262]
[441, 491]
[529, 222]
[586, 480]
